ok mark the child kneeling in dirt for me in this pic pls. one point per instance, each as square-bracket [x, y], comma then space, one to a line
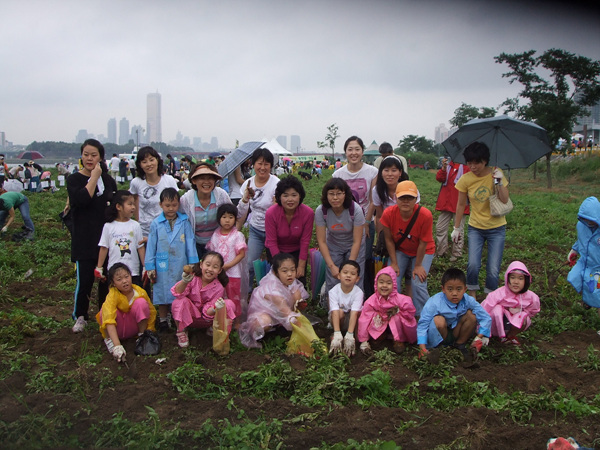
[450, 318]
[513, 306]
[274, 302]
[127, 311]
[199, 301]
[386, 308]
[585, 275]
[345, 304]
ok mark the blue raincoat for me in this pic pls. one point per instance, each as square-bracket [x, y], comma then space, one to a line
[167, 252]
[585, 275]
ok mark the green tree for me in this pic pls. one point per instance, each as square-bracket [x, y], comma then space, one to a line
[414, 143]
[572, 85]
[465, 112]
[329, 141]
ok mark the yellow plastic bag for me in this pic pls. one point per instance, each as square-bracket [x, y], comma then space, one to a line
[220, 334]
[302, 338]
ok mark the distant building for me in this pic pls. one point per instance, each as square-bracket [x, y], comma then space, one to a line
[197, 143]
[294, 143]
[214, 143]
[82, 135]
[154, 120]
[2, 140]
[441, 133]
[112, 131]
[123, 131]
[137, 135]
[282, 141]
[589, 123]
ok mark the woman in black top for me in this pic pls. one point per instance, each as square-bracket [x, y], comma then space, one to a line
[90, 191]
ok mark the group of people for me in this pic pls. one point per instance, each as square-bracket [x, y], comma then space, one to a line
[201, 267]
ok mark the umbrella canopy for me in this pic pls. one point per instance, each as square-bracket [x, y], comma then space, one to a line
[237, 157]
[214, 154]
[513, 143]
[30, 155]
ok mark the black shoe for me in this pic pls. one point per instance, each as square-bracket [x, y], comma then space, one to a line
[163, 326]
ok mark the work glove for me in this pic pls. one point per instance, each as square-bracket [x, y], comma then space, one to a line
[497, 174]
[365, 348]
[220, 303]
[187, 277]
[336, 342]
[300, 305]
[572, 258]
[119, 353]
[349, 344]
[150, 275]
[455, 236]
[99, 273]
[480, 342]
[5, 229]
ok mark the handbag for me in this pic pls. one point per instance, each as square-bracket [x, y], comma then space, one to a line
[497, 208]
[67, 220]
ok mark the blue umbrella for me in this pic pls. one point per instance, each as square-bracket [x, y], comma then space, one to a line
[513, 143]
[237, 157]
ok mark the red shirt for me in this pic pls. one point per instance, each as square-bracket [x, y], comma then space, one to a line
[422, 229]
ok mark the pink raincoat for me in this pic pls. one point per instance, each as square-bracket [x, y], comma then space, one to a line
[271, 304]
[518, 308]
[190, 308]
[374, 318]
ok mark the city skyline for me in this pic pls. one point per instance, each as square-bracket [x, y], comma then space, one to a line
[381, 70]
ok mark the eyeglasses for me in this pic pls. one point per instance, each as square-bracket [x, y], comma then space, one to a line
[335, 194]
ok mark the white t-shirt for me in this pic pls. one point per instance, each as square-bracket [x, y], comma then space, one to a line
[263, 199]
[122, 240]
[338, 299]
[114, 163]
[360, 182]
[149, 197]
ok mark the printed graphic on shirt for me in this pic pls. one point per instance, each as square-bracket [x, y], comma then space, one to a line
[482, 194]
[149, 192]
[124, 244]
[594, 283]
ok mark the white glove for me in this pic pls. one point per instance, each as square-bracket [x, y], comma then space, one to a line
[220, 304]
[5, 229]
[455, 236]
[187, 277]
[572, 258]
[497, 174]
[349, 344]
[336, 342]
[365, 348]
[119, 353]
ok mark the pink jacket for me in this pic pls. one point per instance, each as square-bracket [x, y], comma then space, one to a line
[202, 297]
[374, 318]
[518, 308]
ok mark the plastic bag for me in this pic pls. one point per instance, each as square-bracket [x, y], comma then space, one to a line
[302, 337]
[148, 344]
[221, 344]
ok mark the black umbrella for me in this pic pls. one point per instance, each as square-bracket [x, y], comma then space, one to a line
[30, 155]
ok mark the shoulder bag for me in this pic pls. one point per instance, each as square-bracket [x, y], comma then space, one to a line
[497, 208]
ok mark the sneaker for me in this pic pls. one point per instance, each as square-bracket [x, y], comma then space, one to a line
[182, 339]
[163, 326]
[434, 356]
[28, 235]
[398, 347]
[80, 324]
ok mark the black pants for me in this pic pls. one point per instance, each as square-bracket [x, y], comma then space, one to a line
[83, 290]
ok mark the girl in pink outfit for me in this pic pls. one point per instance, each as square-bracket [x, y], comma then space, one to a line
[199, 295]
[274, 302]
[231, 244]
[513, 306]
[386, 308]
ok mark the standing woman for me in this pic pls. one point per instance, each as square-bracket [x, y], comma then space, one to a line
[340, 230]
[410, 242]
[477, 186]
[90, 192]
[201, 203]
[147, 186]
[391, 172]
[289, 224]
[257, 196]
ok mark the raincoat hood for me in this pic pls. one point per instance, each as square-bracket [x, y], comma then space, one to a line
[516, 265]
[590, 210]
[387, 271]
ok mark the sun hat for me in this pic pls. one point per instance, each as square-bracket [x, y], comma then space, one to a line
[407, 188]
[204, 170]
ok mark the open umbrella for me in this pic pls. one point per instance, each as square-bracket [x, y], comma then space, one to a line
[30, 155]
[238, 156]
[513, 143]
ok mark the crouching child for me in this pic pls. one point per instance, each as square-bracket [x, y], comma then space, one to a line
[452, 318]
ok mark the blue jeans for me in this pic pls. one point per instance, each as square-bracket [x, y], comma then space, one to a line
[419, 288]
[495, 247]
[256, 245]
[24, 209]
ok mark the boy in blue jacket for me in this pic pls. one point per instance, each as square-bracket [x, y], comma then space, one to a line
[450, 318]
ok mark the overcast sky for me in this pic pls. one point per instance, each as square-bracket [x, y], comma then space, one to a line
[252, 69]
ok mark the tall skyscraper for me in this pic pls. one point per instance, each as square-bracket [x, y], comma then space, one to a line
[123, 131]
[154, 121]
[112, 131]
[294, 143]
[441, 133]
[282, 141]
[214, 143]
